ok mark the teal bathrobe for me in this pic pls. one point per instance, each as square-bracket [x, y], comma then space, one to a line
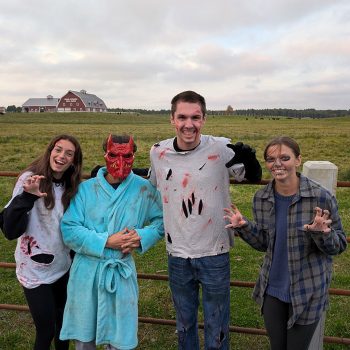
[102, 290]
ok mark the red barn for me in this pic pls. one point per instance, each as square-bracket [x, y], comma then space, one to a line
[74, 101]
[48, 104]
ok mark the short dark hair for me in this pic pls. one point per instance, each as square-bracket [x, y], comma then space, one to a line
[286, 141]
[118, 139]
[188, 96]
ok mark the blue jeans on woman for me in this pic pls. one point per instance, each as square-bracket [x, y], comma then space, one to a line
[213, 274]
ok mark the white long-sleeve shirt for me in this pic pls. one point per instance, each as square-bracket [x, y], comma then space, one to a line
[42, 239]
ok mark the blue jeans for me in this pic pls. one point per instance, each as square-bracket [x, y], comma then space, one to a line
[185, 276]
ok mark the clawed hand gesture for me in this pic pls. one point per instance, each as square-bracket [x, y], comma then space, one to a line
[125, 240]
[321, 221]
[32, 185]
[234, 216]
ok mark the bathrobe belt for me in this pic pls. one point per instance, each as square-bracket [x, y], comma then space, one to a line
[112, 271]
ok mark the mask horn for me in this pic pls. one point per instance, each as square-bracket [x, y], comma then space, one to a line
[109, 141]
[131, 143]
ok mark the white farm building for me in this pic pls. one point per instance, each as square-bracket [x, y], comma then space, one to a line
[48, 104]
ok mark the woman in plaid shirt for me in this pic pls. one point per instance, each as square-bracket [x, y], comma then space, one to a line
[296, 223]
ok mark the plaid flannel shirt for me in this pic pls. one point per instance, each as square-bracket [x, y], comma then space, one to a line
[310, 254]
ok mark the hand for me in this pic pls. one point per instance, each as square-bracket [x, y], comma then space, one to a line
[133, 241]
[243, 153]
[125, 240]
[32, 185]
[321, 221]
[246, 155]
[234, 216]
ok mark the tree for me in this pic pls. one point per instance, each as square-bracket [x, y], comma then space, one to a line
[229, 109]
[11, 108]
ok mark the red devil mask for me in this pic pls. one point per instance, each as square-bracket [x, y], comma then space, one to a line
[119, 158]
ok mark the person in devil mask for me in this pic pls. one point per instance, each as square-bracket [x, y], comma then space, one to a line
[112, 214]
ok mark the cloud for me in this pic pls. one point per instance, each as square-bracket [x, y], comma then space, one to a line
[252, 54]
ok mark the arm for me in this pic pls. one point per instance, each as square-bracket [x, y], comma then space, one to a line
[144, 238]
[154, 231]
[141, 171]
[76, 235]
[246, 155]
[15, 215]
[95, 170]
[249, 231]
[152, 171]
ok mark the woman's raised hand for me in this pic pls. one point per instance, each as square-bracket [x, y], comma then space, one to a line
[234, 216]
[321, 222]
[32, 185]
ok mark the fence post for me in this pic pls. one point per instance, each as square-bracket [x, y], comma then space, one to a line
[325, 173]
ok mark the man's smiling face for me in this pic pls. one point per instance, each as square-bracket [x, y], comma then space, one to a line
[188, 120]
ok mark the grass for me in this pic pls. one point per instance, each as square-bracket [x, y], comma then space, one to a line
[24, 136]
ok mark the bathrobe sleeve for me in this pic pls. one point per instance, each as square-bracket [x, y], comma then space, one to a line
[76, 235]
[154, 230]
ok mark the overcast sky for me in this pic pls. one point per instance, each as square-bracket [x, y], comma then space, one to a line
[140, 53]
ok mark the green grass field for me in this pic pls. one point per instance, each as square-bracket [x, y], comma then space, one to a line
[24, 136]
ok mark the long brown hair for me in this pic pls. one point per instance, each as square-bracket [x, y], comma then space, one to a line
[71, 177]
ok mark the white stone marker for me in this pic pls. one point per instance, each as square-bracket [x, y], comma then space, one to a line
[324, 172]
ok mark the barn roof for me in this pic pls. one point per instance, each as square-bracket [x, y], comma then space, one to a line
[41, 102]
[90, 100]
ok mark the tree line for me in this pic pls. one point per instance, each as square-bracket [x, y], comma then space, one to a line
[292, 113]
[250, 112]
[13, 109]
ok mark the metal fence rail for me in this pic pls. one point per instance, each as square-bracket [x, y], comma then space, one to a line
[243, 284]
[261, 182]
[166, 322]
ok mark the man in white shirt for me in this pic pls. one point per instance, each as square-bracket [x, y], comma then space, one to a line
[192, 173]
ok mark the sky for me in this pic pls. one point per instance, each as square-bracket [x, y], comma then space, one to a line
[139, 54]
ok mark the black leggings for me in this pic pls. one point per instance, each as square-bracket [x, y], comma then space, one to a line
[276, 314]
[46, 304]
